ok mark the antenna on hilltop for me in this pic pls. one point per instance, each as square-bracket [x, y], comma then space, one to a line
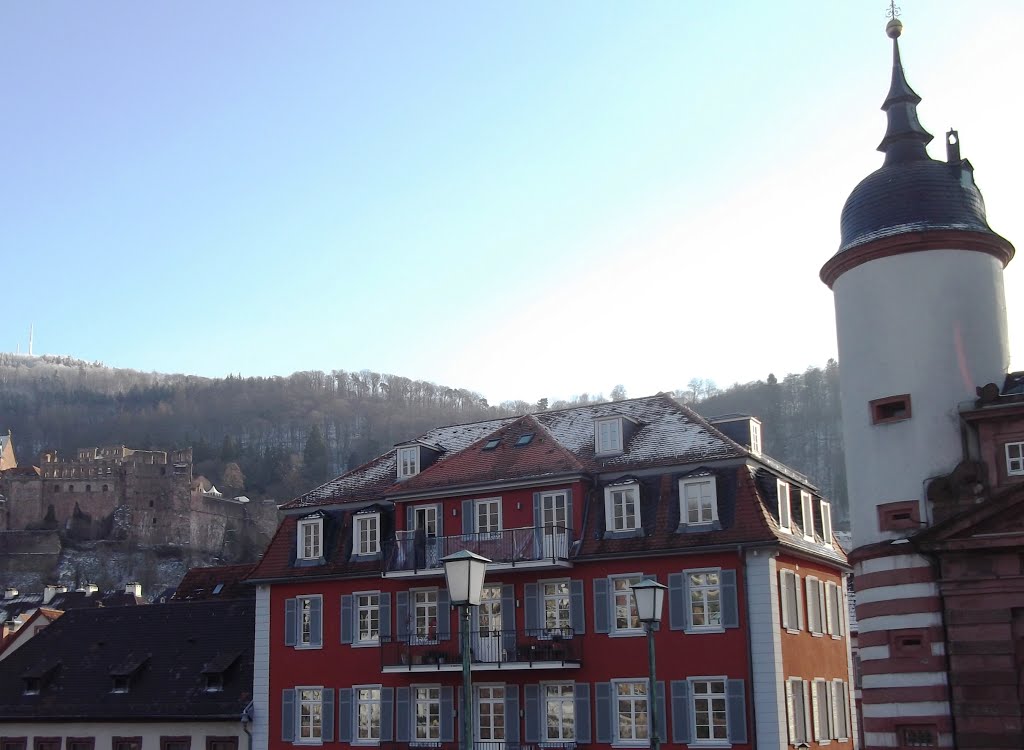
[30, 335]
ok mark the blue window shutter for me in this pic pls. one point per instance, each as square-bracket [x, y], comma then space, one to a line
[387, 713]
[676, 603]
[730, 605]
[736, 711]
[531, 696]
[402, 615]
[347, 617]
[577, 614]
[681, 730]
[327, 714]
[582, 701]
[605, 714]
[532, 597]
[602, 608]
[444, 615]
[288, 714]
[345, 714]
[447, 715]
[467, 517]
[659, 696]
[403, 717]
[289, 622]
[385, 616]
[512, 714]
[316, 621]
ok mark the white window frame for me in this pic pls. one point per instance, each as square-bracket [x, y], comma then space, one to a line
[790, 601]
[361, 703]
[705, 588]
[487, 502]
[314, 726]
[1014, 463]
[684, 505]
[610, 501]
[708, 697]
[551, 527]
[807, 508]
[798, 691]
[432, 705]
[372, 607]
[634, 699]
[565, 705]
[608, 443]
[406, 467]
[785, 511]
[615, 594]
[815, 592]
[304, 621]
[314, 528]
[839, 703]
[555, 597]
[825, 508]
[420, 632]
[493, 695]
[370, 545]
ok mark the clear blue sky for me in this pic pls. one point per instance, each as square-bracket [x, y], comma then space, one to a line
[524, 199]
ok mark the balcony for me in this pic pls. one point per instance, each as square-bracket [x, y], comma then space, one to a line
[544, 648]
[413, 553]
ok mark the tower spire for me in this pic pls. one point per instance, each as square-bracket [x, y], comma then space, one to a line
[905, 139]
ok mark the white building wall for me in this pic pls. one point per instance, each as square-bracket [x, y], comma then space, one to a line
[261, 671]
[930, 324]
[762, 587]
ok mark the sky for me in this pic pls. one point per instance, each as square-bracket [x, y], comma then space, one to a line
[526, 200]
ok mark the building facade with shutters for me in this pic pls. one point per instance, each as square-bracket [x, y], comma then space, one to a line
[358, 644]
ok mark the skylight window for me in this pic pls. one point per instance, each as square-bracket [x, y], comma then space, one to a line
[524, 439]
[492, 444]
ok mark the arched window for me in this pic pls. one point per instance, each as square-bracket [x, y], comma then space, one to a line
[105, 488]
[88, 488]
[71, 488]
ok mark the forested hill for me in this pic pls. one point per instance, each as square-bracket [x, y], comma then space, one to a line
[279, 436]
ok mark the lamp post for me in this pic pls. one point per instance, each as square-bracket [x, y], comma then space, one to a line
[464, 574]
[649, 596]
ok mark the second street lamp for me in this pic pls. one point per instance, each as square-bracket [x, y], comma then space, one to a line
[649, 596]
[464, 575]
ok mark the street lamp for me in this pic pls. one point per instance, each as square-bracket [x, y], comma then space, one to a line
[649, 596]
[464, 574]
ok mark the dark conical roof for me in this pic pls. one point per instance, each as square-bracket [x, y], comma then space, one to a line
[911, 192]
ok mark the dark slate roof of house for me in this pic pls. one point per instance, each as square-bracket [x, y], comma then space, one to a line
[161, 651]
[220, 582]
[16, 606]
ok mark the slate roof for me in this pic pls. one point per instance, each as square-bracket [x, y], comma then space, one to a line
[16, 606]
[220, 582]
[163, 651]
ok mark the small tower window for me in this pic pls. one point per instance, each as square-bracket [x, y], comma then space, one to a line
[890, 409]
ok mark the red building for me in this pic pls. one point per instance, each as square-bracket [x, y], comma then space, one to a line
[357, 642]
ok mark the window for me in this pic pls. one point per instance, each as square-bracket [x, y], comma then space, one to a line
[899, 516]
[367, 618]
[1014, 459]
[826, 522]
[556, 605]
[424, 614]
[840, 710]
[921, 735]
[815, 605]
[890, 409]
[175, 743]
[121, 684]
[492, 444]
[215, 683]
[622, 507]
[608, 435]
[221, 743]
[833, 610]
[782, 493]
[560, 710]
[807, 513]
[626, 619]
[126, 743]
[912, 643]
[796, 710]
[33, 685]
[524, 439]
[705, 599]
[789, 590]
[46, 743]
[821, 710]
[367, 533]
[308, 608]
[311, 725]
[81, 743]
[710, 715]
[427, 714]
[408, 462]
[699, 499]
[631, 711]
[488, 516]
[755, 437]
[309, 541]
[367, 714]
[13, 743]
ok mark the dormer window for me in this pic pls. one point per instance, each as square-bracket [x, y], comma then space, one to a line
[755, 437]
[698, 498]
[366, 534]
[121, 684]
[826, 522]
[782, 494]
[310, 538]
[622, 507]
[608, 435]
[33, 685]
[214, 683]
[408, 462]
[807, 511]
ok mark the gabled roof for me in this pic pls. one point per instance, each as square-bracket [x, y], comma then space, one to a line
[164, 650]
[996, 522]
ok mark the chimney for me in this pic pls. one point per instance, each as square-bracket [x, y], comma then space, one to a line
[11, 593]
[134, 588]
[743, 428]
[51, 591]
[89, 589]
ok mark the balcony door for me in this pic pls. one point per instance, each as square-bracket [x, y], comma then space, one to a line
[487, 624]
[426, 527]
[490, 717]
[554, 509]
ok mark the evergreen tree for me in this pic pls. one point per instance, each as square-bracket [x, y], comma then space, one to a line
[314, 456]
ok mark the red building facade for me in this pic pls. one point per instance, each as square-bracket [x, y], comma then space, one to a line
[357, 642]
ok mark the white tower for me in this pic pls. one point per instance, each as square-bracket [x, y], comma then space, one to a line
[921, 322]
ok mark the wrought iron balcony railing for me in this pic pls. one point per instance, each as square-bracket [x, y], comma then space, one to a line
[490, 649]
[536, 546]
